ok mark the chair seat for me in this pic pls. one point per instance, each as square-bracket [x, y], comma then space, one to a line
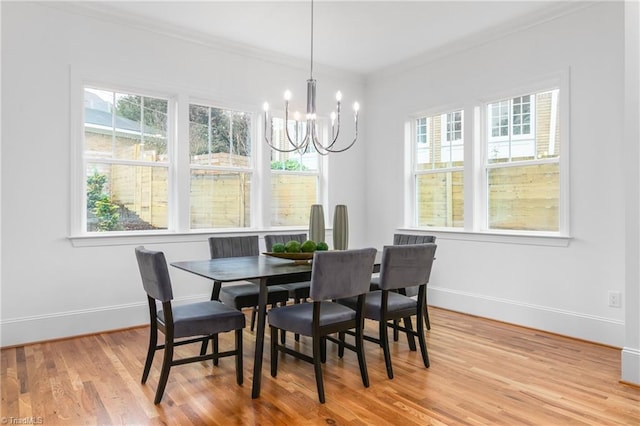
[299, 318]
[298, 290]
[204, 318]
[246, 295]
[372, 306]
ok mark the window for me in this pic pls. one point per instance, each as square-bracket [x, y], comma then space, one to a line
[516, 169]
[523, 163]
[151, 161]
[438, 170]
[221, 167]
[295, 177]
[126, 161]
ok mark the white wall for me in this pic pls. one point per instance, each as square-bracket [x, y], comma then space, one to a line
[50, 288]
[559, 289]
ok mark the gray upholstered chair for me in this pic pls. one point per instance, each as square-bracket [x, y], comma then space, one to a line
[188, 323]
[404, 239]
[298, 291]
[402, 265]
[335, 274]
[242, 295]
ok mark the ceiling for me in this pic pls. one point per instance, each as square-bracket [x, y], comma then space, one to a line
[358, 36]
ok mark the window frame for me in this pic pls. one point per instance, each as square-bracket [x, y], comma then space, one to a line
[320, 173]
[179, 98]
[254, 218]
[476, 124]
[411, 215]
[79, 162]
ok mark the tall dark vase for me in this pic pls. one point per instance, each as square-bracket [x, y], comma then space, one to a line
[340, 228]
[316, 223]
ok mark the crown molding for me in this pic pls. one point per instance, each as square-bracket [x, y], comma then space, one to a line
[559, 10]
[101, 12]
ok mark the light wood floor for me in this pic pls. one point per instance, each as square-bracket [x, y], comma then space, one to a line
[482, 372]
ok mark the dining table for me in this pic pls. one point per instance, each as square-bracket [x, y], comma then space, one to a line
[264, 271]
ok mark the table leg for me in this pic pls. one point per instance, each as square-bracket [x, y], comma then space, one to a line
[257, 362]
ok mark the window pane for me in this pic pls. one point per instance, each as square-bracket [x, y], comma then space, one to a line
[294, 175]
[126, 198]
[291, 198]
[307, 161]
[524, 198]
[219, 137]
[444, 136]
[440, 199]
[125, 126]
[220, 199]
[534, 135]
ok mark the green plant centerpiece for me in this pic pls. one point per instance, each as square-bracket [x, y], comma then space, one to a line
[278, 248]
[322, 246]
[308, 246]
[293, 247]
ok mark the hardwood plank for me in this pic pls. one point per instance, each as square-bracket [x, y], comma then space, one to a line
[482, 372]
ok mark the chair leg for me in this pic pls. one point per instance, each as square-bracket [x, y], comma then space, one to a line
[384, 342]
[396, 332]
[153, 342]
[362, 362]
[422, 341]
[204, 346]
[239, 371]
[323, 350]
[427, 323]
[317, 366]
[166, 366]
[215, 348]
[341, 335]
[253, 317]
[296, 336]
[274, 352]
[408, 325]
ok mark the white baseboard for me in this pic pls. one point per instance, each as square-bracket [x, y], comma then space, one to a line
[573, 324]
[631, 365]
[24, 330]
[19, 331]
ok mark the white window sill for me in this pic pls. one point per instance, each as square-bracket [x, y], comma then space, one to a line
[505, 237]
[163, 237]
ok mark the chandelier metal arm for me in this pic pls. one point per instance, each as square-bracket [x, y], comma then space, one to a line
[311, 131]
[270, 133]
[329, 149]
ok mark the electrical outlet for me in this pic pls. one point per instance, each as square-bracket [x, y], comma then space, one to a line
[615, 299]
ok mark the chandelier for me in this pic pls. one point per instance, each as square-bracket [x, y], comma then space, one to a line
[302, 139]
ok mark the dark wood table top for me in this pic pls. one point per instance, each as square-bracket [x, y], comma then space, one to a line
[250, 268]
[243, 268]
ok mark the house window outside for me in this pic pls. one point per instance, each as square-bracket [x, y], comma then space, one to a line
[438, 170]
[221, 167]
[126, 161]
[295, 177]
[522, 167]
[515, 167]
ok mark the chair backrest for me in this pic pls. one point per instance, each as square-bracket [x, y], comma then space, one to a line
[406, 265]
[270, 240]
[341, 274]
[403, 239]
[234, 246]
[154, 273]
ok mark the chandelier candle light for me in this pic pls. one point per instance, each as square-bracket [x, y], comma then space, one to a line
[311, 133]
